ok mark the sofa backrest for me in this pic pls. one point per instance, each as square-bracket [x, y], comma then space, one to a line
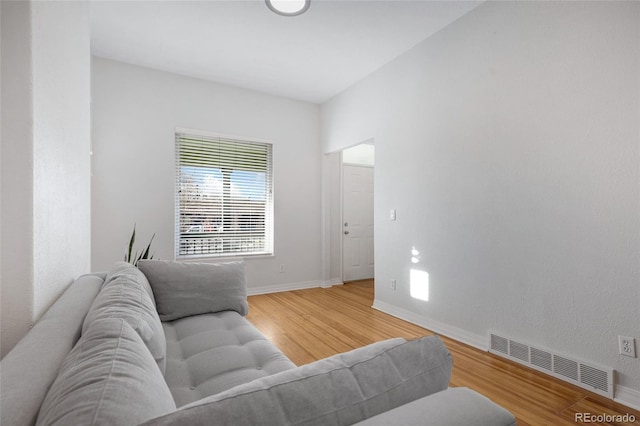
[109, 378]
[126, 294]
[27, 372]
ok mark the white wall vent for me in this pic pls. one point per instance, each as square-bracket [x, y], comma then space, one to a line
[541, 359]
[500, 344]
[565, 367]
[591, 377]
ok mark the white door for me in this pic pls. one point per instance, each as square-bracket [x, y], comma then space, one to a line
[357, 229]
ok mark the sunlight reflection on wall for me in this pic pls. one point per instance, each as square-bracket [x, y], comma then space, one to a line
[419, 280]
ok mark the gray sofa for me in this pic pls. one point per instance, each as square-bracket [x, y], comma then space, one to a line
[168, 344]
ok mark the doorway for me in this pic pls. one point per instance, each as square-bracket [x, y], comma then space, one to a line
[357, 213]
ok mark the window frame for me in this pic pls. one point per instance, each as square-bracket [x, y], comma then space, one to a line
[268, 235]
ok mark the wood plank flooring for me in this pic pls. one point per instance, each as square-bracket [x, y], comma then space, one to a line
[308, 325]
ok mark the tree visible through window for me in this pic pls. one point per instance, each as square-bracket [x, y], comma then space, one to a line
[223, 196]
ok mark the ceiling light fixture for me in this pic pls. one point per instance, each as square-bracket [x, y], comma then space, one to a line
[288, 7]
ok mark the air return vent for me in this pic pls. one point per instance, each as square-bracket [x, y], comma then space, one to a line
[594, 377]
[519, 351]
[565, 367]
[588, 376]
[541, 359]
[500, 344]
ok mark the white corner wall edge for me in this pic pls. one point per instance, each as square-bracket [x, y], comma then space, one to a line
[627, 397]
[471, 339]
[278, 288]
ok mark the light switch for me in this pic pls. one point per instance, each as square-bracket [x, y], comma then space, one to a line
[392, 215]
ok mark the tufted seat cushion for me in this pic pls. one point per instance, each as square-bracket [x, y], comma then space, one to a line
[210, 353]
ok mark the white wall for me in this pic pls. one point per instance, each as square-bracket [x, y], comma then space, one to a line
[135, 112]
[1, 223]
[509, 145]
[61, 135]
[17, 183]
[45, 163]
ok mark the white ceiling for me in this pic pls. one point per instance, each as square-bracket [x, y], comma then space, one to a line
[242, 43]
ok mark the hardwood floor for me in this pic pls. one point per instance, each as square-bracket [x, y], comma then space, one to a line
[308, 325]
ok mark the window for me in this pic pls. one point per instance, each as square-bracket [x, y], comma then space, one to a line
[224, 200]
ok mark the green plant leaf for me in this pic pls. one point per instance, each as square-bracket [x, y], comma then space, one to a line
[144, 254]
[127, 257]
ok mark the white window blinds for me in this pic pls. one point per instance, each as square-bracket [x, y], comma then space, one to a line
[224, 200]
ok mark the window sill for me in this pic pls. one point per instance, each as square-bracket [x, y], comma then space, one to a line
[217, 259]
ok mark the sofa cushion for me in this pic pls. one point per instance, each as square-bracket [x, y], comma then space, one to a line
[26, 375]
[450, 407]
[126, 294]
[211, 353]
[185, 289]
[339, 390]
[109, 378]
[127, 270]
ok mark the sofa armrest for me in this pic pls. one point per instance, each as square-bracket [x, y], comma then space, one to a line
[453, 406]
[27, 372]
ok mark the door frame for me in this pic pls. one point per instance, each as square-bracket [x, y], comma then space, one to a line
[340, 228]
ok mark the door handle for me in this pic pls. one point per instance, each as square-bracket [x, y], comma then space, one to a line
[346, 232]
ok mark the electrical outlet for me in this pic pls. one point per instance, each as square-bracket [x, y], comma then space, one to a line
[281, 269]
[627, 346]
[393, 284]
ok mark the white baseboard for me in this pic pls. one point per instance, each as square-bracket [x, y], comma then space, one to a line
[332, 282]
[627, 396]
[277, 288]
[471, 339]
[622, 395]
